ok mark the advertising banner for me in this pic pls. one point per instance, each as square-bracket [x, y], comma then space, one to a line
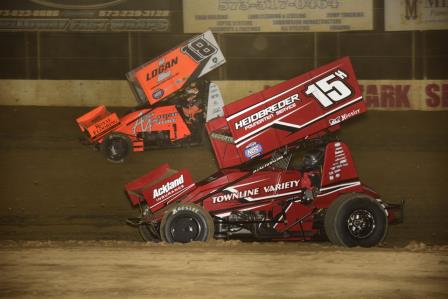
[239, 16]
[80, 16]
[388, 95]
[416, 15]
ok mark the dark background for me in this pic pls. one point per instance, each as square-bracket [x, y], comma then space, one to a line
[77, 55]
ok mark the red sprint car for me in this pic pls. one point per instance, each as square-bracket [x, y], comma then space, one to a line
[263, 189]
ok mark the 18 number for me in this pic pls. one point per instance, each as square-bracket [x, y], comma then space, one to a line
[199, 49]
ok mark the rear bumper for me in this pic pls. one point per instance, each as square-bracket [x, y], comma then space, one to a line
[85, 140]
[396, 212]
[136, 221]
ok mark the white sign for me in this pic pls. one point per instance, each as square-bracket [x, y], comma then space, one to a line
[416, 15]
[239, 16]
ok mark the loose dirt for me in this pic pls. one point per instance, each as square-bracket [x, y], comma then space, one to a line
[219, 270]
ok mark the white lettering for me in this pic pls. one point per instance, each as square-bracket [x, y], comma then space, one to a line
[168, 187]
[266, 113]
[256, 191]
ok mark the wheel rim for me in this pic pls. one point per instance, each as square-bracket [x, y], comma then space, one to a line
[186, 228]
[361, 224]
[117, 149]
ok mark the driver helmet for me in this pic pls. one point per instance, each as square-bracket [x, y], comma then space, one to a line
[312, 159]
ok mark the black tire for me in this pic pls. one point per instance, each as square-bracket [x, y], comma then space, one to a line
[356, 220]
[116, 147]
[186, 223]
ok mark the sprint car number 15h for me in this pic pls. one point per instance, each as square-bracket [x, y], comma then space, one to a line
[258, 190]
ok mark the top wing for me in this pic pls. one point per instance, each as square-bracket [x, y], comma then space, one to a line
[159, 78]
[286, 113]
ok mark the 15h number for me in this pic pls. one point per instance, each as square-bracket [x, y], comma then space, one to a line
[199, 49]
[330, 89]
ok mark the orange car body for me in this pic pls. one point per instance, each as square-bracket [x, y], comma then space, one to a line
[173, 98]
[98, 122]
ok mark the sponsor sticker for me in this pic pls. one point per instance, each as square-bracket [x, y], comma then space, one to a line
[267, 113]
[335, 121]
[343, 117]
[253, 149]
[158, 94]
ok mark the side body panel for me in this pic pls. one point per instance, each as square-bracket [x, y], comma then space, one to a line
[164, 118]
[259, 189]
[270, 199]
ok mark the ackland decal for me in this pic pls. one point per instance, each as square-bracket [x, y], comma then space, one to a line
[165, 188]
[268, 113]
[256, 191]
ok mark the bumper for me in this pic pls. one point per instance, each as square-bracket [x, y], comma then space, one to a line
[86, 141]
[135, 221]
[396, 212]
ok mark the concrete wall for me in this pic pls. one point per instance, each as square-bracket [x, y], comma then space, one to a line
[95, 92]
[379, 94]
[66, 93]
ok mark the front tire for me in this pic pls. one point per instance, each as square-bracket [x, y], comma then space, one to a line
[356, 220]
[116, 147]
[186, 223]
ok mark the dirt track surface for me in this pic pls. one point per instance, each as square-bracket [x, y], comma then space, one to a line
[53, 188]
[220, 270]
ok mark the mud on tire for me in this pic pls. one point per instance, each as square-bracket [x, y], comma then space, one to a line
[186, 223]
[116, 147]
[356, 220]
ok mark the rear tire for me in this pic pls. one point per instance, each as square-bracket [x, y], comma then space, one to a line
[186, 223]
[356, 220]
[116, 147]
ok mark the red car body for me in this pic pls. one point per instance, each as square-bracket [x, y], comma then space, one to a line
[257, 189]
